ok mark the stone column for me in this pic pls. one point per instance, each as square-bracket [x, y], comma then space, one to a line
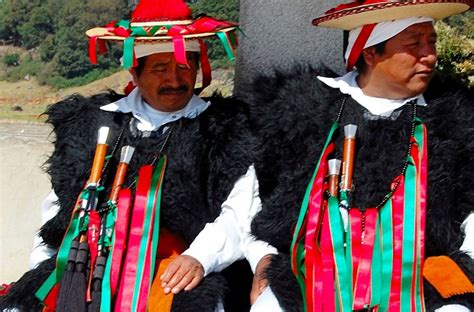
[279, 33]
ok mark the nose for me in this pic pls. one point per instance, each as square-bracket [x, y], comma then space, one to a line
[428, 54]
[173, 76]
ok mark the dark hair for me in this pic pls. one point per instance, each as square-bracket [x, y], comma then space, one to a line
[141, 63]
[379, 49]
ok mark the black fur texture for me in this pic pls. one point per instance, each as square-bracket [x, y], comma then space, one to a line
[206, 156]
[291, 114]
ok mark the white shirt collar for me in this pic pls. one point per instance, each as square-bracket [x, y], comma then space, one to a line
[347, 84]
[150, 119]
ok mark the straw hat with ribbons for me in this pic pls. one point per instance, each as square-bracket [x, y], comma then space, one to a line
[373, 21]
[158, 26]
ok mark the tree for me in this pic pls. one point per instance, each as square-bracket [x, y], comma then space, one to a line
[225, 10]
[71, 57]
[37, 28]
[14, 14]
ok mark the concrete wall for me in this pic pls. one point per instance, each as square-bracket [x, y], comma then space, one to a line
[23, 186]
[279, 33]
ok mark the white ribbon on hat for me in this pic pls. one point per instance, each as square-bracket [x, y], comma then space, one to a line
[384, 31]
[145, 49]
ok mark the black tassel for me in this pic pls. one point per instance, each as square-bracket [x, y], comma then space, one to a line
[94, 306]
[76, 299]
[97, 284]
[65, 285]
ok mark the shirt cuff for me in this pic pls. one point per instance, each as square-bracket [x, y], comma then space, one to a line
[452, 308]
[256, 251]
[204, 258]
[215, 248]
[468, 228]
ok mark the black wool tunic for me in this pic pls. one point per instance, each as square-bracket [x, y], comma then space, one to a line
[291, 114]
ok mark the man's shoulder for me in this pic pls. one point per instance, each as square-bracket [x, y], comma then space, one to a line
[77, 109]
[441, 88]
[291, 97]
[225, 104]
[286, 83]
[448, 99]
[76, 106]
[449, 108]
[225, 110]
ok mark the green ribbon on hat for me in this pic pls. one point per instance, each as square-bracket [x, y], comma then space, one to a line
[227, 46]
[128, 52]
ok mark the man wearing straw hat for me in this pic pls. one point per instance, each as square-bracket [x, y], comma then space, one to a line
[188, 155]
[366, 180]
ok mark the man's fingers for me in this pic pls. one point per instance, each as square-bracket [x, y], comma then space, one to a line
[255, 293]
[259, 282]
[196, 280]
[170, 271]
[185, 281]
[194, 275]
[182, 272]
[177, 277]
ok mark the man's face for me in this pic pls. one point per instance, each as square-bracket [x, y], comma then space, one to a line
[165, 84]
[408, 62]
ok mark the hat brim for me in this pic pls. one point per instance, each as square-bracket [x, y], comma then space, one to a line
[355, 17]
[104, 34]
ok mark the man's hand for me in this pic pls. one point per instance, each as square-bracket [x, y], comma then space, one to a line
[259, 281]
[184, 272]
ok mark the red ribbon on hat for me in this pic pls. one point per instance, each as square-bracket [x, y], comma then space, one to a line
[206, 24]
[364, 34]
[205, 65]
[177, 32]
[351, 5]
[359, 45]
[93, 42]
[113, 28]
[129, 88]
[201, 25]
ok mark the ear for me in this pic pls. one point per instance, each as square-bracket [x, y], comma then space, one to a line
[368, 54]
[133, 72]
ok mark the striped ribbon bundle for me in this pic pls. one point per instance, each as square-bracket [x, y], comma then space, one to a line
[129, 271]
[378, 262]
[140, 258]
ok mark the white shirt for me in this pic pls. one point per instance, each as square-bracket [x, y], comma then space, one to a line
[347, 84]
[150, 119]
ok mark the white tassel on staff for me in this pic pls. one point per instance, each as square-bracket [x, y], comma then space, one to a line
[334, 171]
[348, 155]
[99, 157]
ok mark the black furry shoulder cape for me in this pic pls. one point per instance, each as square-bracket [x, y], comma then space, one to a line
[291, 114]
[206, 156]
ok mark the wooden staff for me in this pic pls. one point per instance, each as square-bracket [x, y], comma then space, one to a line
[125, 157]
[334, 171]
[348, 156]
[99, 157]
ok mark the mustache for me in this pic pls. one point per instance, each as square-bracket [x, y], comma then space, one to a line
[179, 89]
